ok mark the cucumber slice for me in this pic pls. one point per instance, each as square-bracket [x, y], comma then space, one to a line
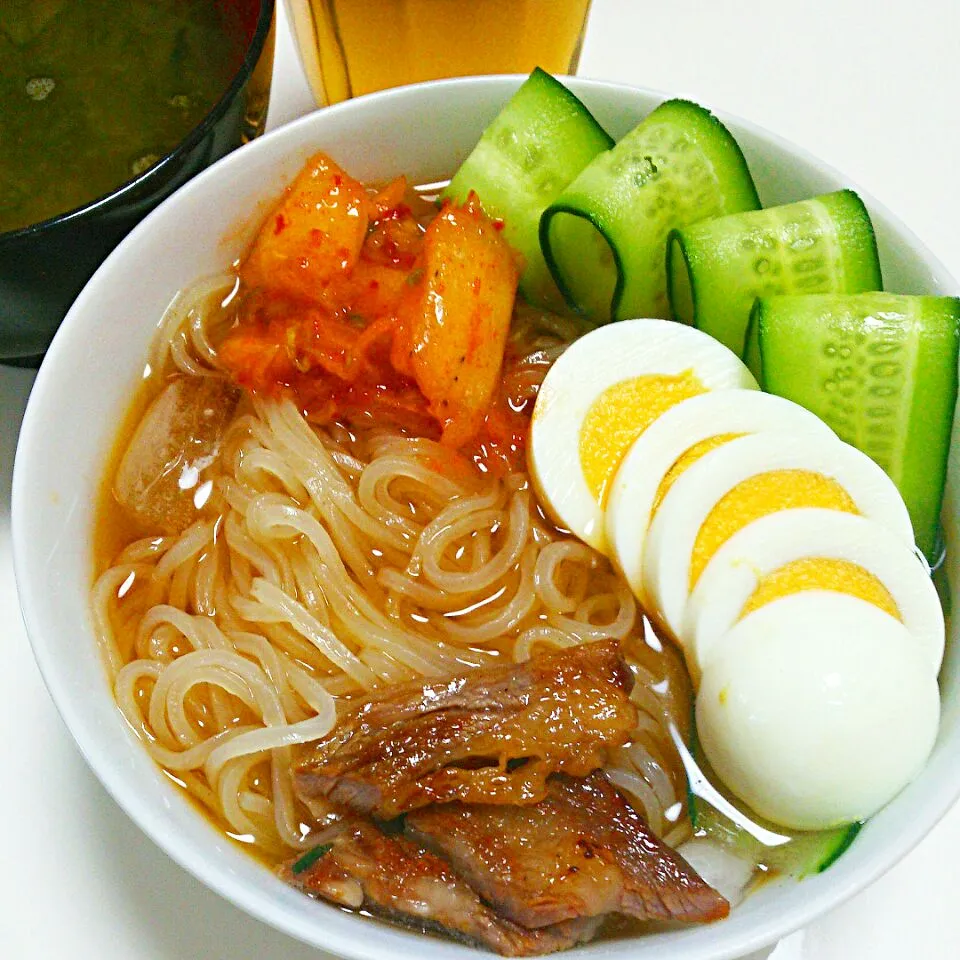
[881, 370]
[717, 268]
[538, 143]
[604, 237]
[800, 855]
[751, 349]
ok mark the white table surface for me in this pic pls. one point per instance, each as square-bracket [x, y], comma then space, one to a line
[871, 86]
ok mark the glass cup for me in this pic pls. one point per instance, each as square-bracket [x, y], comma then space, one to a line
[352, 47]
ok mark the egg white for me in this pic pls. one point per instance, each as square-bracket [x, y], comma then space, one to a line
[765, 545]
[591, 365]
[637, 481]
[673, 531]
[817, 709]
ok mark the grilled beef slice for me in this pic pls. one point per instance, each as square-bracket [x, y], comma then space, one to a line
[492, 735]
[394, 878]
[583, 851]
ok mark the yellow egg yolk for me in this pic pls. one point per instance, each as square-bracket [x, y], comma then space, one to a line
[758, 496]
[821, 573]
[688, 459]
[619, 415]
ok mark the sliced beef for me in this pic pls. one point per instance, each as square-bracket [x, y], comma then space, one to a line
[493, 735]
[394, 878]
[583, 851]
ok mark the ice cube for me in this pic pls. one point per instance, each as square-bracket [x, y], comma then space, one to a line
[171, 451]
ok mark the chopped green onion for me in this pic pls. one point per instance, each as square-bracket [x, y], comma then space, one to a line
[311, 857]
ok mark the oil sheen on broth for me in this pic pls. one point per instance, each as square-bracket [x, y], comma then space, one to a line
[341, 550]
[441, 554]
[94, 93]
[116, 529]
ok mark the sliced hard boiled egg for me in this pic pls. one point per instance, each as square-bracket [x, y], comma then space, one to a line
[746, 479]
[600, 395]
[817, 709]
[672, 443]
[812, 549]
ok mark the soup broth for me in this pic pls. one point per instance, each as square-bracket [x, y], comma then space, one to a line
[142, 582]
[94, 93]
[287, 539]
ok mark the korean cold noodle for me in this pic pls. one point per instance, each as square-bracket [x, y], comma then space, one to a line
[457, 604]
[93, 94]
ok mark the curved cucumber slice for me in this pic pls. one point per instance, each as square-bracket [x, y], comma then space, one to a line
[881, 370]
[604, 237]
[717, 268]
[541, 139]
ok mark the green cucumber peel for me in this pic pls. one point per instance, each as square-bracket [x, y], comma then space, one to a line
[604, 237]
[881, 370]
[535, 146]
[717, 268]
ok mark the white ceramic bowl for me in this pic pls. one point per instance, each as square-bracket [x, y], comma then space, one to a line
[91, 372]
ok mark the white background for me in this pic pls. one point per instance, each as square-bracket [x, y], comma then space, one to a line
[871, 87]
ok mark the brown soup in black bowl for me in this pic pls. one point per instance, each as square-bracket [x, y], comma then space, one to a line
[109, 106]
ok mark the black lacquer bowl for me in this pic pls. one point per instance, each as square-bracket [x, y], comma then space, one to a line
[45, 265]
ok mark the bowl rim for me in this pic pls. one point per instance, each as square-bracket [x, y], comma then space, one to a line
[119, 194]
[927, 812]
